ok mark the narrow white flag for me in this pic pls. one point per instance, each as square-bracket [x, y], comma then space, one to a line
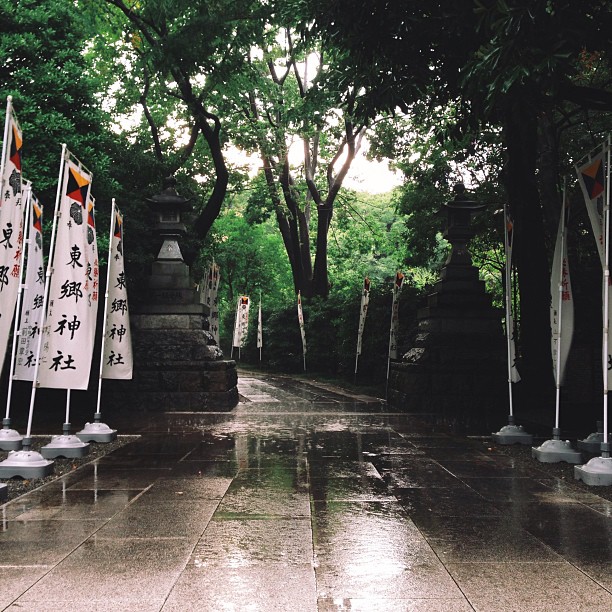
[562, 303]
[508, 244]
[397, 290]
[300, 313]
[11, 226]
[210, 297]
[117, 359]
[259, 328]
[67, 343]
[241, 325]
[363, 311]
[31, 319]
[593, 176]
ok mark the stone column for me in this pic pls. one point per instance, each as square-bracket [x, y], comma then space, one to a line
[177, 364]
[456, 363]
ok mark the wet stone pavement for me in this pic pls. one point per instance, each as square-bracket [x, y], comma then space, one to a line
[304, 499]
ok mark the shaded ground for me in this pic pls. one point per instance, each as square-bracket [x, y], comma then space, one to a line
[307, 498]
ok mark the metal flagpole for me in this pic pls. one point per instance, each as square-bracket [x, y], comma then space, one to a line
[605, 448]
[510, 433]
[48, 274]
[10, 436]
[598, 471]
[27, 463]
[98, 431]
[7, 121]
[555, 449]
[509, 320]
[108, 267]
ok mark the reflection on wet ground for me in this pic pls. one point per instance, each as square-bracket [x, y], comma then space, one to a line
[304, 498]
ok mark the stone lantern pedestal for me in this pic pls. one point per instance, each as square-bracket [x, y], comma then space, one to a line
[456, 363]
[178, 367]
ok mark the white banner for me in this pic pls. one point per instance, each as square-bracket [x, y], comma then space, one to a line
[592, 176]
[397, 290]
[31, 319]
[259, 328]
[363, 311]
[508, 244]
[117, 360]
[301, 322]
[11, 226]
[92, 270]
[241, 325]
[562, 302]
[209, 295]
[67, 344]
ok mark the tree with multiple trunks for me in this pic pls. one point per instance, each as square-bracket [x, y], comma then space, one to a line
[280, 110]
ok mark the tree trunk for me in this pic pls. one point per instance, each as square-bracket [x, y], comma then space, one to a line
[521, 139]
[320, 276]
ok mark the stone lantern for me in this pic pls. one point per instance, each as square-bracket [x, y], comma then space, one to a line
[177, 363]
[455, 363]
[170, 281]
[458, 226]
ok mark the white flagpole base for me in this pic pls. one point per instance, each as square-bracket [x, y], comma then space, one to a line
[597, 472]
[3, 492]
[512, 434]
[554, 451]
[25, 464]
[592, 443]
[10, 439]
[66, 445]
[97, 432]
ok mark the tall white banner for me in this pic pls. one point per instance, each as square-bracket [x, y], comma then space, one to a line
[209, 295]
[593, 176]
[300, 314]
[508, 245]
[241, 325]
[11, 226]
[259, 329]
[397, 290]
[562, 302]
[31, 320]
[363, 311]
[67, 343]
[92, 270]
[117, 359]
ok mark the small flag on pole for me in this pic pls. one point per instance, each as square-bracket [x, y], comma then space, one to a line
[302, 328]
[11, 225]
[31, 319]
[117, 359]
[67, 341]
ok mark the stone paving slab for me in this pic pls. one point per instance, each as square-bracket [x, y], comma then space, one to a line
[304, 498]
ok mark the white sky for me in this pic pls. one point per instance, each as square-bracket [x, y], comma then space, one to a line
[364, 174]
